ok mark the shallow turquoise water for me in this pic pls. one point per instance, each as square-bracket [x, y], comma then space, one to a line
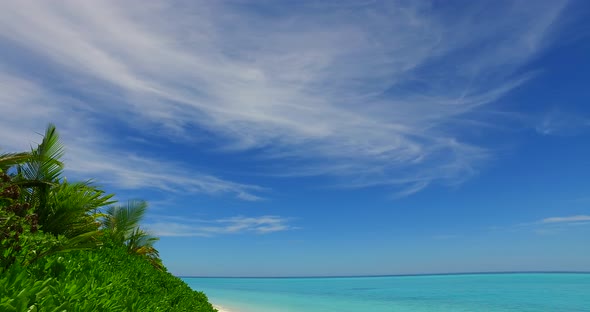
[534, 292]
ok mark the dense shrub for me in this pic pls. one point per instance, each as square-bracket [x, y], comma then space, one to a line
[56, 255]
[105, 279]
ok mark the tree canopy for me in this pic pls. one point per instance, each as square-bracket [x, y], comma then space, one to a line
[69, 246]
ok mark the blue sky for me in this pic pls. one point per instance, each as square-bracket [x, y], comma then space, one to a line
[319, 138]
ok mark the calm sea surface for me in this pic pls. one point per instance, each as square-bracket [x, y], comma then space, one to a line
[534, 292]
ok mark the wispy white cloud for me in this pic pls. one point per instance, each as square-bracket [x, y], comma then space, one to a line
[568, 219]
[547, 225]
[20, 111]
[27, 107]
[172, 226]
[557, 122]
[554, 225]
[130, 171]
[373, 94]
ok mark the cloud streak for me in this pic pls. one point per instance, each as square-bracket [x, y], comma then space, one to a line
[207, 228]
[88, 152]
[559, 123]
[565, 220]
[547, 225]
[371, 95]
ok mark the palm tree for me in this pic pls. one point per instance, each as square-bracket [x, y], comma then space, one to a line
[41, 171]
[57, 206]
[72, 208]
[62, 208]
[121, 222]
[142, 243]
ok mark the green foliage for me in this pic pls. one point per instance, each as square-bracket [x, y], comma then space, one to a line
[56, 256]
[20, 241]
[121, 220]
[142, 243]
[121, 223]
[41, 170]
[44, 164]
[71, 209]
[62, 208]
[106, 279]
[8, 160]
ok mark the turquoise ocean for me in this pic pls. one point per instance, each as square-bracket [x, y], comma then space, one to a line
[534, 292]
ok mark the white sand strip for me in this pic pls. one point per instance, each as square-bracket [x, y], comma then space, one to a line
[221, 309]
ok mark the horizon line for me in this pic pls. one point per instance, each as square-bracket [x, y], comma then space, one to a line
[395, 275]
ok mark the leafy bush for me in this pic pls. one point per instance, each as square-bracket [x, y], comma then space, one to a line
[56, 256]
[20, 240]
[105, 279]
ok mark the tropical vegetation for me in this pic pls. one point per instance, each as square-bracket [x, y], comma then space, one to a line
[68, 246]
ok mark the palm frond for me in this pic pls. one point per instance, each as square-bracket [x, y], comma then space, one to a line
[141, 242]
[122, 220]
[44, 163]
[122, 223]
[42, 170]
[83, 241]
[72, 208]
[8, 160]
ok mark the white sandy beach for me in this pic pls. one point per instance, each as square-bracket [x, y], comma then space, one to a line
[222, 309]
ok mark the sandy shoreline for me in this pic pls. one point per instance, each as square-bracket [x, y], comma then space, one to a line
[222, 309]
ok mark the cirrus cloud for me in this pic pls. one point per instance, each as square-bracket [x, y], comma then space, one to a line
[370, 94]
[568, 219]
[171, 226]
